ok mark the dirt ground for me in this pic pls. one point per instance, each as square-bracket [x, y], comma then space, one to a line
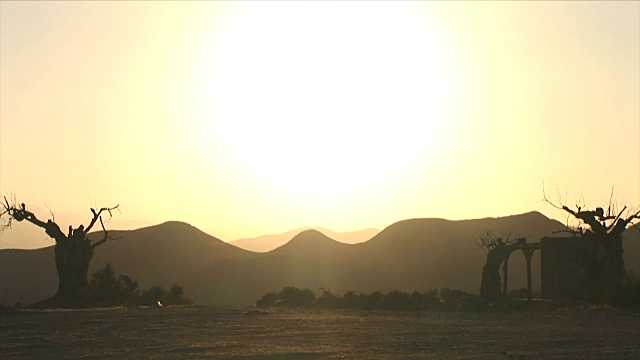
[205, 332]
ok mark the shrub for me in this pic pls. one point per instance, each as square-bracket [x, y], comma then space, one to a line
[327, 300]
[349, 301]
[294, 297]
[396, 300]
[373, 300]
[393, 300]
[105, 289]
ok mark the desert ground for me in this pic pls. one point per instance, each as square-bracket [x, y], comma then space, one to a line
[207, 332]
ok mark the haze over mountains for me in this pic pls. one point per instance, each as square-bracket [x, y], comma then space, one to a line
[27, 236]
[269, 242]
[23, 235]
[415, 254]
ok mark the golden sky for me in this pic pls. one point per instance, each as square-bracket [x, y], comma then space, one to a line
[248, 118]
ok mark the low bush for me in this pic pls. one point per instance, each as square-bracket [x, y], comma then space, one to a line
[289, 297]
[105, 289]
[443, 300]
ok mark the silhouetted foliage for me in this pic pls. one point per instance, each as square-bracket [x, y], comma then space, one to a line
[289, 297]
[350, 300]
[327, 300]
[151, 296]
[429, 300]
[432, 300]
[105, 289]
[395, 300]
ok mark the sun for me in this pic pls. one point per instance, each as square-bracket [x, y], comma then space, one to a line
[323, 99]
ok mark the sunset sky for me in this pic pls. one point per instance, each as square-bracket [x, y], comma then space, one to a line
[249, 118]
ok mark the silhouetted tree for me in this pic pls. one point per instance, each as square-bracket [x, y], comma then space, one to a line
[107, 289]
[602, 230]
[73, 251]
[498, 250]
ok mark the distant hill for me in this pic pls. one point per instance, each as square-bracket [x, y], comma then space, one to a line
[414, 254]
[157, 255]
[267, 243]
[24, 235]
[310, 243]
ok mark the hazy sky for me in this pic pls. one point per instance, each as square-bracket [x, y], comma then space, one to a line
[247, 118]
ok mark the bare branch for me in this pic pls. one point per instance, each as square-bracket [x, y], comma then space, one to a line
[96, 216]
[609, 222]
[20, 213]
[6, 215]
[622, 223]
[546, 199]
[611, 203]
[106, 234]
[99, 216]
[12, 211]
[488, 241]
[621, 212]
[53, 217]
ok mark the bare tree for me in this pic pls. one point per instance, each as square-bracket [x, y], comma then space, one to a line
[497, 250]
[602, 230]
[73, 251]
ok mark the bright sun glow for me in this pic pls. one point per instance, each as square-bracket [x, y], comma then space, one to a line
[246, 118]
[330, 100]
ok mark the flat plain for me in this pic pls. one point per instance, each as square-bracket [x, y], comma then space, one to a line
[208, 332]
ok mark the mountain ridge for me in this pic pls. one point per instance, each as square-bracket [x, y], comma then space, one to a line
[266, 243]
[411, 254]
[308, 242]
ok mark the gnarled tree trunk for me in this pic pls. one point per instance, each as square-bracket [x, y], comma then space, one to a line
[73, 253]
[605, 259]
[498, 250]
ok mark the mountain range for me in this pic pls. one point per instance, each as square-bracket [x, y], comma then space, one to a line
[414, 254]
[267, 243]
